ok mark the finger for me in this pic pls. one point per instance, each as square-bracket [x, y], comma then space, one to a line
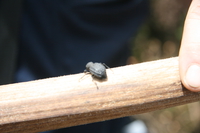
[189, 55]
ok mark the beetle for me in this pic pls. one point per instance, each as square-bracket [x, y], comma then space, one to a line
[97, 70]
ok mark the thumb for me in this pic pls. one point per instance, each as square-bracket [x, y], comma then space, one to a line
[189, 55]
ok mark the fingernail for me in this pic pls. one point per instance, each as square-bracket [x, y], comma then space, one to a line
[193, 76]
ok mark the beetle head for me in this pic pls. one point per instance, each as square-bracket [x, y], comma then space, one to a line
[88, 65]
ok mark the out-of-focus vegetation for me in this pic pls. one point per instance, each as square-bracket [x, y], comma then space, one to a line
[160, 37]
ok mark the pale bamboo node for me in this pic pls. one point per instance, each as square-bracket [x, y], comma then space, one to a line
[67, 101]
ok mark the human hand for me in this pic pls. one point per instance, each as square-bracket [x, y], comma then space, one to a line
[189, 55]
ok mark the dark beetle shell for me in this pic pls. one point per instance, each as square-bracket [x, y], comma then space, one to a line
[98, 70]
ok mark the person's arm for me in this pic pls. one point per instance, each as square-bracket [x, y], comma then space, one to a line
[189, 56]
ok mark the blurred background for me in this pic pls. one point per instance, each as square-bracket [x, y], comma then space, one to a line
[158, 38]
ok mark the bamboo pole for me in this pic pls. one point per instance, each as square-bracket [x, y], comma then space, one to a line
[69, 100]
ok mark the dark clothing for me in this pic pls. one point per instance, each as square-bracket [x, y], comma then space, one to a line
[111, 126]
[58, 37]
[9, 30]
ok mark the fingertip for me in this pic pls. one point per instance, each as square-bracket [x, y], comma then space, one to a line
[192, 78]
[189, 55]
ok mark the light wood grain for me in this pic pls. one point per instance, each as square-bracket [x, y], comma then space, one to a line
[68, 100]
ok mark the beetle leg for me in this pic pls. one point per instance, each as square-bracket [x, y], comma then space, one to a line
[105, 65]
[94, 82]
[86, 72]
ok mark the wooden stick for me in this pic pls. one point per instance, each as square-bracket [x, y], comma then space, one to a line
[68, 100]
